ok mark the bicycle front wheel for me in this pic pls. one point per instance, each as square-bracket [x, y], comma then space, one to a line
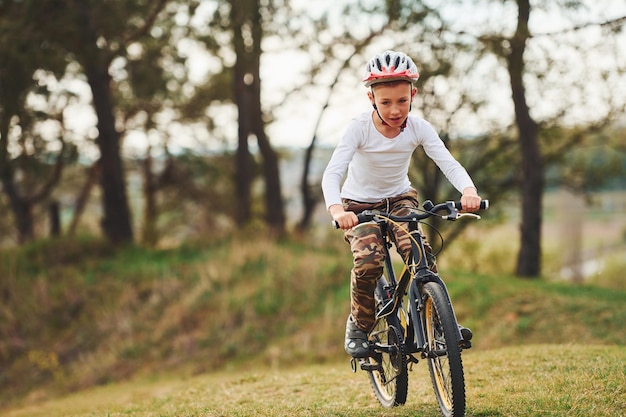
[444, 354]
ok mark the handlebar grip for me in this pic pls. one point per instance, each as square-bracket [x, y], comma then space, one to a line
[363, 217]
[484, 205]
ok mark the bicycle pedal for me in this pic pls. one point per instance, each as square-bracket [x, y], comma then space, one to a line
[353, 362]
[367, 366]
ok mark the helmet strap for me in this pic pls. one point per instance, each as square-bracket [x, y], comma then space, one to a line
[402, 127]
[379, 116]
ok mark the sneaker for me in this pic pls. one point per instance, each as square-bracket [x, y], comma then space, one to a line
[466, 334]
[356, 340]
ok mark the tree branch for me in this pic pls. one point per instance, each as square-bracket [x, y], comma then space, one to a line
[609, 23]
[149, 22]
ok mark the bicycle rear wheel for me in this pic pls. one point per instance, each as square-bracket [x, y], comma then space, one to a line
[444, 354]
[387, 367]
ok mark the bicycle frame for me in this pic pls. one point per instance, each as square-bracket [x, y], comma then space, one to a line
[413, 276]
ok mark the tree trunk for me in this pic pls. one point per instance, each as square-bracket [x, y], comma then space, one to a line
[22, 205]
[149, 234]
[93, 174]
[116, 223]
[152, 183]
[532, 180]
[54, 217]
[309, 200]
[242, 94]
[247, 36]
[23, 214]
[275, 213]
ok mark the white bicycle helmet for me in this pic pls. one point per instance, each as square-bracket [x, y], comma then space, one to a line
[390, 66]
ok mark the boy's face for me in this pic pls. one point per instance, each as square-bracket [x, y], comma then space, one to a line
[393, 101]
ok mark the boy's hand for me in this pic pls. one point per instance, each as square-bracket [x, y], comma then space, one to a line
[470, 200]
[345, 219]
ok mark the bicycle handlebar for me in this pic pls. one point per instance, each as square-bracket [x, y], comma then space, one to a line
[451, 209]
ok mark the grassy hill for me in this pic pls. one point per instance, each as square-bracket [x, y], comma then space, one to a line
[78, 314]
[528, 381]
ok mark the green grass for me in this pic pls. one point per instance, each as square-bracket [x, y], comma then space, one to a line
[536, 380]
[245, 325]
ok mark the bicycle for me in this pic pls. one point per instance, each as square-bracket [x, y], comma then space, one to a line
[429, 328]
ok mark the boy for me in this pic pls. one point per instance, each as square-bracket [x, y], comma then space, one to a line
[376, 150]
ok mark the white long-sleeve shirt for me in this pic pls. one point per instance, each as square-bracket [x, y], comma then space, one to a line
[378, 166]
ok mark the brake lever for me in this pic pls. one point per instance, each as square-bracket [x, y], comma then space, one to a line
[472, 215]
[457, 215]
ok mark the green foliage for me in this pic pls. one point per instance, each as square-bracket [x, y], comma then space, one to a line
[585, 159]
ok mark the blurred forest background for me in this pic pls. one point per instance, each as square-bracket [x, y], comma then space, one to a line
[155, 155]
[153, 122]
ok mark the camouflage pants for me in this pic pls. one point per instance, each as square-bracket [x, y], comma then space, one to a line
[366, 245]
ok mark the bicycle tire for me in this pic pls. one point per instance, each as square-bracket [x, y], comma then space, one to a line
[387, 371]
[446, 367]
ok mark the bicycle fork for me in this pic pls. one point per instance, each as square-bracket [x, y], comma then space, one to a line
[417, 306]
